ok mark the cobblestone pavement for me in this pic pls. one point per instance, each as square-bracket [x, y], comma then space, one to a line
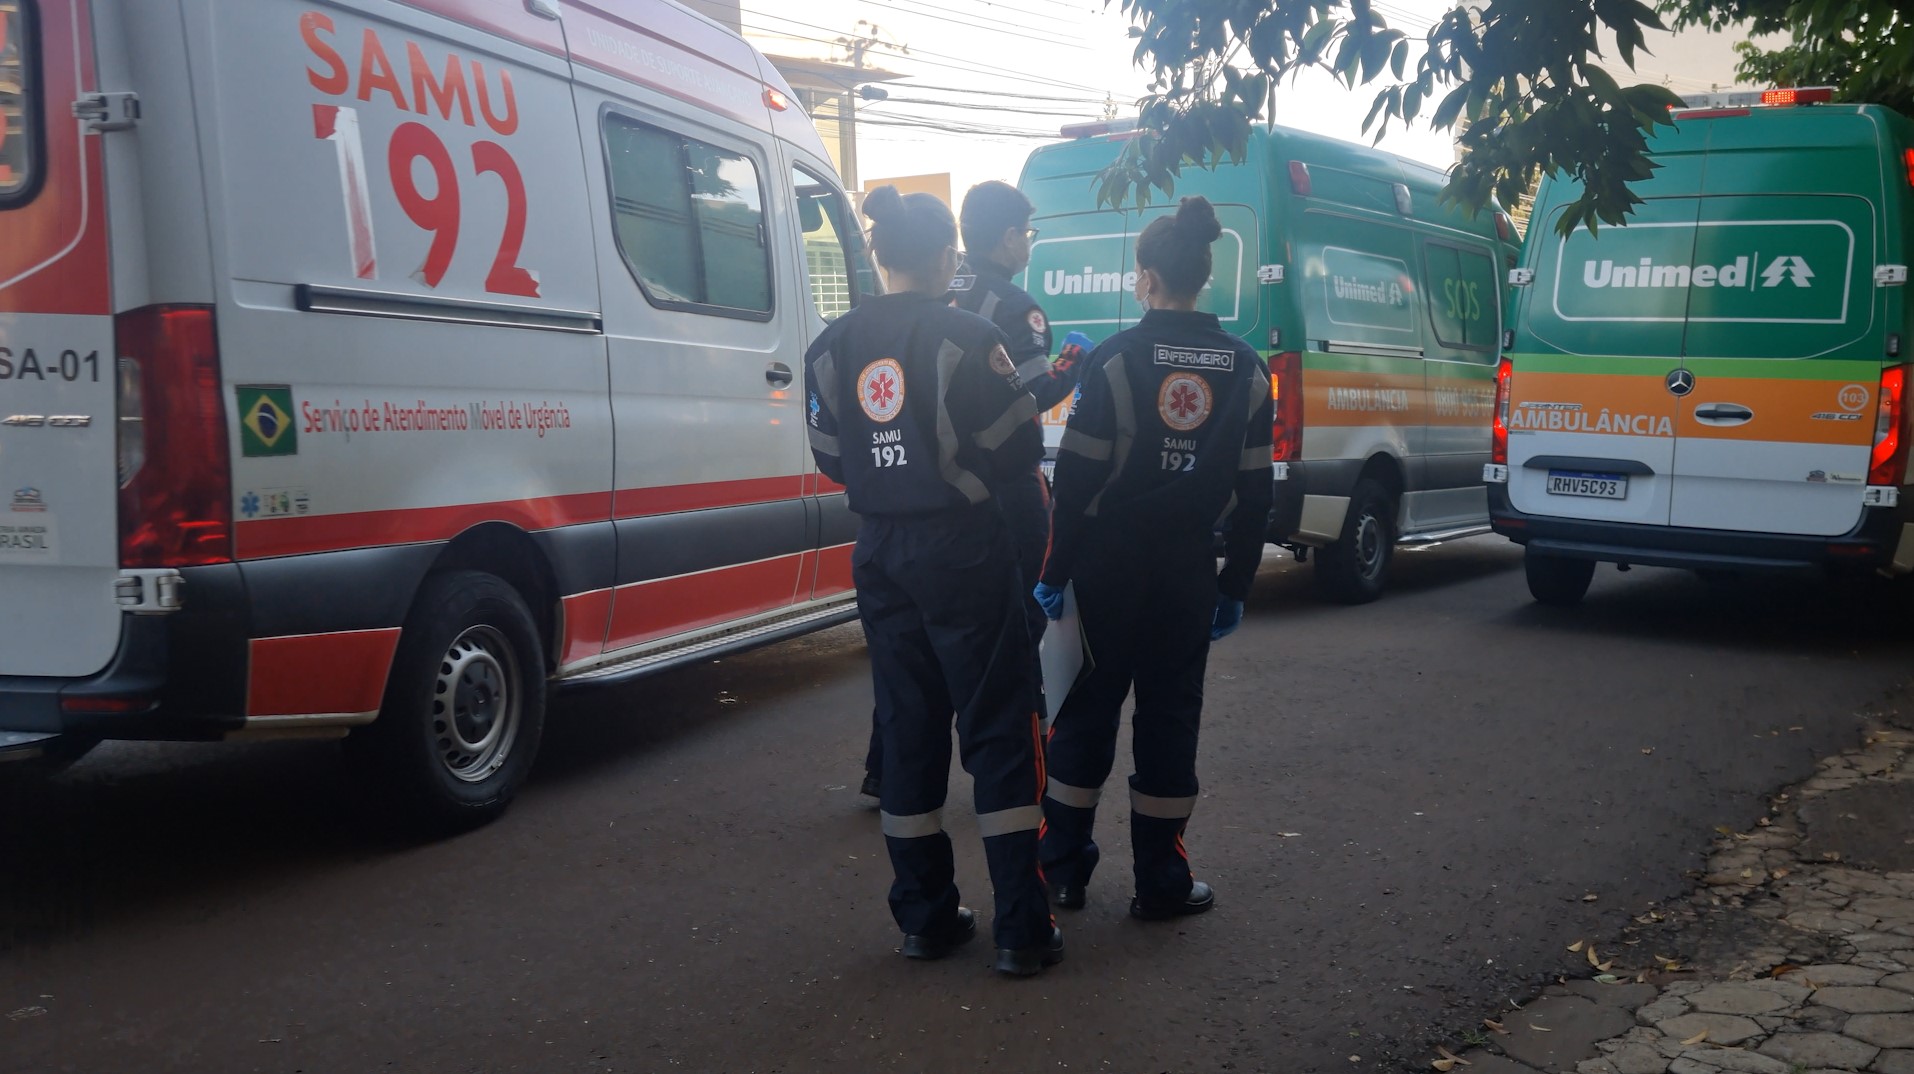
[1794, 955]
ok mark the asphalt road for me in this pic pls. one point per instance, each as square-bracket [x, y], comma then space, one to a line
[1404, 808]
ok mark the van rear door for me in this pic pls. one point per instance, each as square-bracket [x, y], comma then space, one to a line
[1592, 426]
[1786, 361]
[59, 541]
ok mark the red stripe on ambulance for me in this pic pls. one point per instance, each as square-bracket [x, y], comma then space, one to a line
[319, 674]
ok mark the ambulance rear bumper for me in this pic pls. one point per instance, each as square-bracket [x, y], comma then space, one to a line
[1291, 483]
[1870, 546]
[178, 676]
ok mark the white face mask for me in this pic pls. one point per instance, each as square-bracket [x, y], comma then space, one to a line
[1143, 288]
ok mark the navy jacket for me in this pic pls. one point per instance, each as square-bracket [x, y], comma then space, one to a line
[985, 288]
[1171, 439]
[914, 407]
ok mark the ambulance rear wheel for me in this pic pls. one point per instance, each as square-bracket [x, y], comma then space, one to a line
[464, 705]
[1557, 581]
[1353, 569]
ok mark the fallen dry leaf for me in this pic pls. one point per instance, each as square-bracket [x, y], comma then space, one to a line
[1607, 978]
[1696, 1039]
[1494, 1026]
[1763, 822]
[1577, 945]
[1540, 1029]
[1781, 874]
[1783, 969]
[1593, 958]
[1590, 897]
[1442, 1064]
[1646, 750]
[1747, 874]
[1451, 1056]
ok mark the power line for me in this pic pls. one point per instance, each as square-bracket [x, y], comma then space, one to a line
[912, 84]
[971, 67]
[1030, 33]
[975, 107]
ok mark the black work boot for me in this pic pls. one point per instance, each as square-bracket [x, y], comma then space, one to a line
[961, 931]
[873, 786]
[1067, 894]
[1200, 900]
[1030, 961]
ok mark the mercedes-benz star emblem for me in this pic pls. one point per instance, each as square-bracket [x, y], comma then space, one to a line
[1681, 382]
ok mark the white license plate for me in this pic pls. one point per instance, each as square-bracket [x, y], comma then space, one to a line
[1600, 486]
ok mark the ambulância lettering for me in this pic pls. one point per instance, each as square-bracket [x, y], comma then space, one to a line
[1557, 418]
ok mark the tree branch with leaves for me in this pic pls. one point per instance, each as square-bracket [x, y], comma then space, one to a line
[1521, 81]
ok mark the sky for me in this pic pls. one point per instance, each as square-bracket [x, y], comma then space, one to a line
[988, 80]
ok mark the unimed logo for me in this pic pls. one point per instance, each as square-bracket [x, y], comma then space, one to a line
[1785, 269]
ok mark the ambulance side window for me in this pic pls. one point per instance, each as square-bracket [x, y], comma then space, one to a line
[689, 219]
[1463, 297]
[20, 133]
[835, 260]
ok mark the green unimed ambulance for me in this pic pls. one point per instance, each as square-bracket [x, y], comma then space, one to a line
[1719, 385]
[1379, 311]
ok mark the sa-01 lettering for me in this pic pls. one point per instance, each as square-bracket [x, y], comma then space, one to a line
[70, 366]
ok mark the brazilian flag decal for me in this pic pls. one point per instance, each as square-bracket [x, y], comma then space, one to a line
[265, 421]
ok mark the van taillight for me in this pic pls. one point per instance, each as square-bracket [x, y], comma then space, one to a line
[1286, 391]
[1499, 446]
[175, 478]
[1888, 465]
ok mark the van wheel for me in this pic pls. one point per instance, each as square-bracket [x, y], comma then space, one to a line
[1558, 581]
[1352, 570]
[464, 706]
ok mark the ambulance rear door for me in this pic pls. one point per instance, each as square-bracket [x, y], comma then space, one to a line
[1595, 388]
[59, 541]
[1784, 349]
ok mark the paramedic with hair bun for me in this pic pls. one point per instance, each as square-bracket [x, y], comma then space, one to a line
[1170, 440]
[914, 409]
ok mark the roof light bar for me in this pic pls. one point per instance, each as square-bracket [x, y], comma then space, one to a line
[1092, 130]
[1784, 97]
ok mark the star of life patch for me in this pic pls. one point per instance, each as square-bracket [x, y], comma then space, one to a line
[1184, 401]
[1191, 358]
[1000, 362]
[1038, 323]
[880, 390]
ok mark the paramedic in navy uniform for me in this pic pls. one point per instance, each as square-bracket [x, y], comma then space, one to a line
[996, 231]
[914, 409]
[1170, 439]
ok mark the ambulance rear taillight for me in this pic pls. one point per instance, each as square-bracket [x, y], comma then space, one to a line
[1286, 392]
[175, 476]
[1499, 446]
[1888, 465]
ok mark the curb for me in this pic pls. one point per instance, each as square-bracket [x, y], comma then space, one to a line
[1800, 950]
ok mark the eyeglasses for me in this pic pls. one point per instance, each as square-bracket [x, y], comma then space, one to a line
[1030, 234]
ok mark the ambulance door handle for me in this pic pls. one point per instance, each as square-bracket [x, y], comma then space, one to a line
[1723, 414]
[778, 375]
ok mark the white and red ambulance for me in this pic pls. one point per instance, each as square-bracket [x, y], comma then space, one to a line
[369, 367]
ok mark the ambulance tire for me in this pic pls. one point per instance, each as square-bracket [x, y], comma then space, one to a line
[1557, 581]
[1352, 570]
[464, 707]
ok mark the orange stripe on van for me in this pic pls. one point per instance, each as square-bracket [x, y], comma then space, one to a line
[319, 674]
[1785, 411]
[1337, 398]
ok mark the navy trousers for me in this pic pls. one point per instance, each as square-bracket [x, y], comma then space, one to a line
[942, 608]
[1146, 612]
[1026, 508]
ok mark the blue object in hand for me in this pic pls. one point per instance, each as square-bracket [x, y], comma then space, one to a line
[1229, 616]
[1076, 347]
[1050, 599]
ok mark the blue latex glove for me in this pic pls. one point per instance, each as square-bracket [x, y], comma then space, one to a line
[1050, 599]
[1229, 616]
